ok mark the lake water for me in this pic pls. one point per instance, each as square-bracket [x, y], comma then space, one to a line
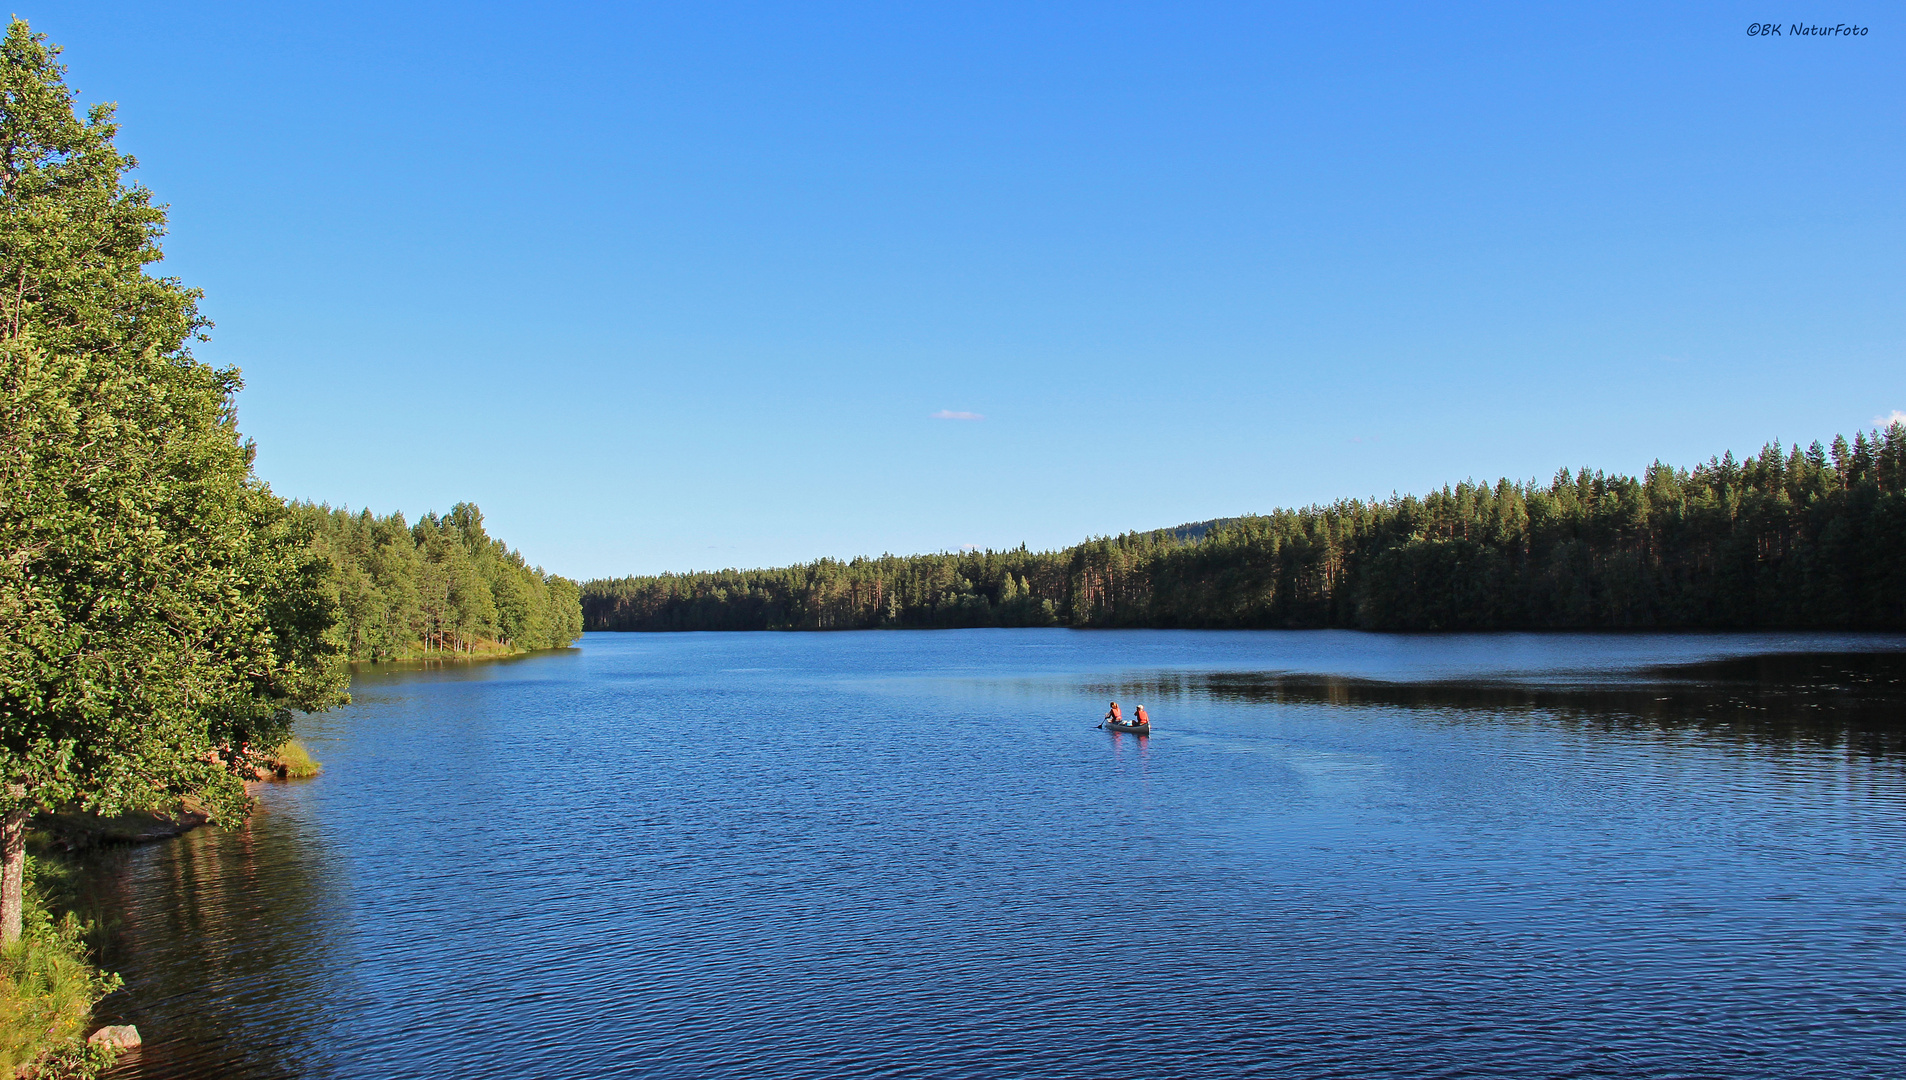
[912, 854]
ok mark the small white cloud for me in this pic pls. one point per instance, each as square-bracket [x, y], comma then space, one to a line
[969, 547]
[950, 414]
[1897, 417]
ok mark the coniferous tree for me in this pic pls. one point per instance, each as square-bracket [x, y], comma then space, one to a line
[1812, 538]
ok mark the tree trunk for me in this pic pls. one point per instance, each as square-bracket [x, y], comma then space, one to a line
[12, 872]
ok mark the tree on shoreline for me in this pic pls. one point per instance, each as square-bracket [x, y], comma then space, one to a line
[1786, 539]
[160, 609]
[441, 587]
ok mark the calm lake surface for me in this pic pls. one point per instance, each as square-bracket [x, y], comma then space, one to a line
[912, 854]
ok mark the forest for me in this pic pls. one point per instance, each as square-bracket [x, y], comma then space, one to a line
[1812, 538]
[164, 615]
[441, 587]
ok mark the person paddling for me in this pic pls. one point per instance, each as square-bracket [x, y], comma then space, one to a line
[1115, 716]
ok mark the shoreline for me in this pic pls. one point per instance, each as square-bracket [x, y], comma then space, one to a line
[435, 660]
[74, 832]
[66, 958]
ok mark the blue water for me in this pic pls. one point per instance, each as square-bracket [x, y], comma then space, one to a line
[912, 854]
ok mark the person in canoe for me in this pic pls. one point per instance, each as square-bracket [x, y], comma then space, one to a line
[1139, 717]
[1115, 716]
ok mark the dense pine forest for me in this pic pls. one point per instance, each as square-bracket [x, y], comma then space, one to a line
[1812, 538]
[441, 587]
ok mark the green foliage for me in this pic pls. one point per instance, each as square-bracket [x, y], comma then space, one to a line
[160, 610]
[294, 762]
[1813, 538]
[47, 993]
[441, 587]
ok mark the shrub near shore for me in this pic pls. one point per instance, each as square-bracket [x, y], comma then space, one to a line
[47, 992]
[293, 762]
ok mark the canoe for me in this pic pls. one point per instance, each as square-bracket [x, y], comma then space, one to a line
[1120, 725]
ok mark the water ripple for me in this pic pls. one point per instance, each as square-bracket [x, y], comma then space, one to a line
[911, 855]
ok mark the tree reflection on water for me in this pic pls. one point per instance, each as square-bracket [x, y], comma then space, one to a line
[233, 927]
[1855, 701]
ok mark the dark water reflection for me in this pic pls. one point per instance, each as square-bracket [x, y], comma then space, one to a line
[1855, 701]
[228, 940]
[911, 854]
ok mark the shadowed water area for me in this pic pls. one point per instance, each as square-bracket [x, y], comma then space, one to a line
[912, 854]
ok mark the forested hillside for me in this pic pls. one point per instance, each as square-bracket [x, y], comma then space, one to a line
[440, 587]
[1813, 538]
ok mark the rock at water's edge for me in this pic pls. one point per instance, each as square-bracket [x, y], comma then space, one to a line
[119, 1036]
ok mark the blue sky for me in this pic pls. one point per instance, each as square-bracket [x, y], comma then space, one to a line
[685, 286]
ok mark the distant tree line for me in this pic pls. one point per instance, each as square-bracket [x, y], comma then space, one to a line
[1812, 538]
[441, 587]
